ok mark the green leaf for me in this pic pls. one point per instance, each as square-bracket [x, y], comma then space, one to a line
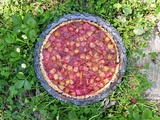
[117, 5]
[25, 28]
[138, 31]
[72, 115]
[13, 91]
[86, 110]
[140, 52]
[26, 18]
[155, 119]
[43, 112]
[136, 116]
[153, 55]
[2, 46]
[100, 2]
[127, 10]
[103, 10]
[10, 39]
[13, 59]
[3, 82]
[14, 54]
[32, 23]
[27, 85]
[147, 65]
[62, 8]
[16, 20]
[17, 29]
[130, 109]
[5, 73]
[20, 76]
[29, 20]
[147, 113]
[32, 35]
[19, 84]
[6, 68]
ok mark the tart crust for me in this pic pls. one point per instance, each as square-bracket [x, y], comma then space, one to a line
[114, 77]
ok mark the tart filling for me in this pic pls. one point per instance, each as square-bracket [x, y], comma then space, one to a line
[79, 59]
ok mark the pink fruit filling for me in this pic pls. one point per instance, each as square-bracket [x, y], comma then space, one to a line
[79, 58]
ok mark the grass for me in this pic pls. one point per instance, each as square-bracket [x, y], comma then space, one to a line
[22, 96]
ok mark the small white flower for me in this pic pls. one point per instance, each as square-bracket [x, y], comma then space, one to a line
[18, 50]
[24, 37]
[23, 65]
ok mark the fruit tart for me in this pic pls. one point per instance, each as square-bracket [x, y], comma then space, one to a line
[79, 58]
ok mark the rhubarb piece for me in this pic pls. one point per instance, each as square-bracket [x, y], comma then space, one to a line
[86, 26]
[52, 71]
[78, 92]
[88, 57]
[66, 90]
[102, 74]
[108, 74]
[52, 38]
[89, 33]
[55, 82]
[55, 76]
[47, 44]
[100, 84]
[67, 82]
[110, 46]
[77, 44]
[61, 87]
[97, 79]
[76, 51]
[95, 69]
[59, 44]
[106, 80]
[93, 28]
[58, 56]
[75, 69]
[46, 54]
[107, 39]
[91, 81]
[62, 83]
[73, 93]
[96, 88]
[106, 68]
[56, 34]
[71, 87]
[70, 29]
[110, 56]
[50, 49]
[50, 76]
[82, 56]
[70, 68]
[92, 45]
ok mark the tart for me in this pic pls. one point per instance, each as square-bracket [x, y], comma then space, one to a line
[78, 59]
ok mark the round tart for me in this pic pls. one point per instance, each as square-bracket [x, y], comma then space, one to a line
[79, 60]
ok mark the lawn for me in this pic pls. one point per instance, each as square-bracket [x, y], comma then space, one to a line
[21, 94]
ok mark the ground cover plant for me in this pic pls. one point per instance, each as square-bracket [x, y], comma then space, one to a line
[22, 96]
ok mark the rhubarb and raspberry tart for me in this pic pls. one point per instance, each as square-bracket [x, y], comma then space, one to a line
[79, 59]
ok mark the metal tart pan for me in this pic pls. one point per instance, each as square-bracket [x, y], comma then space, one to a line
[110, 30]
